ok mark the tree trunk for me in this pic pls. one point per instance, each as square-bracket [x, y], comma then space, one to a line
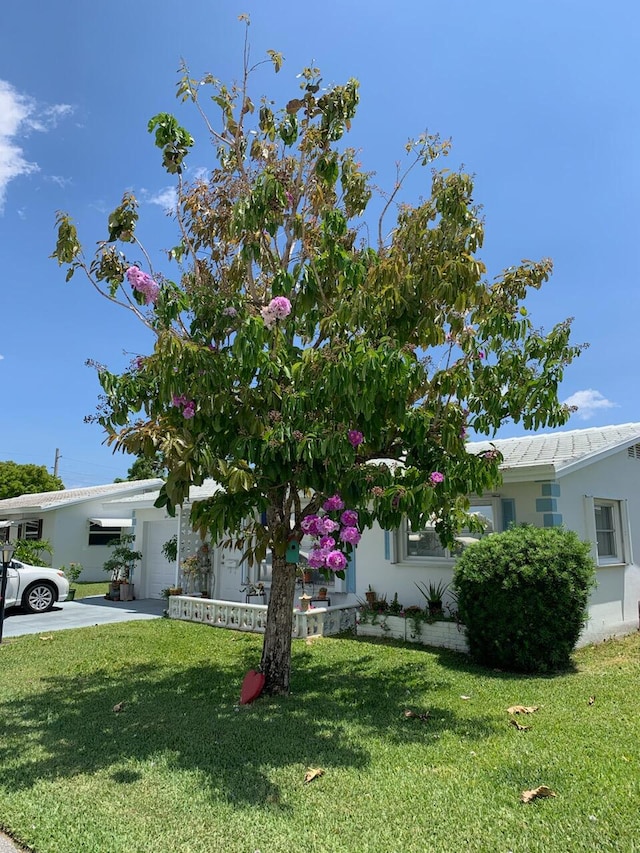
[276, 650]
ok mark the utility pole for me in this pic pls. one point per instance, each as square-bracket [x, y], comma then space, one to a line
[55, 463]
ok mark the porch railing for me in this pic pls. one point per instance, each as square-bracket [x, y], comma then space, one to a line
[238, 616]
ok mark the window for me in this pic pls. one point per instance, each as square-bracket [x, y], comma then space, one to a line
[608, 531]
[425, 543]
[30, 529]
[103, 535]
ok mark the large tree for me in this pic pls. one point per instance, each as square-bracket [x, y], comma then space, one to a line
[16, 479]
[295, 358]
[145, 468]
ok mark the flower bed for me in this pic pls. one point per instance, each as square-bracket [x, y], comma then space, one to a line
[417, 628]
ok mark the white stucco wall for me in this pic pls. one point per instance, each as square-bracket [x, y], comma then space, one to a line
[67, 528]
[614, 602]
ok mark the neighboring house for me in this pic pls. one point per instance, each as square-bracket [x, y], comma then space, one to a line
[79, 523]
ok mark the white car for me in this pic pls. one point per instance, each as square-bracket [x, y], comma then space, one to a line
[36, 588]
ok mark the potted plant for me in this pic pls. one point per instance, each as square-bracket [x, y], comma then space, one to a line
[322, 592]
[370, 595]
[433, 593]
[121, 564]
[72, 572]
[190, 569]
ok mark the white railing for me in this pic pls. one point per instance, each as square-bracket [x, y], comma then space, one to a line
[317, 622]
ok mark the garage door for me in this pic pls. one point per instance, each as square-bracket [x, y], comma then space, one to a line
[158, 572]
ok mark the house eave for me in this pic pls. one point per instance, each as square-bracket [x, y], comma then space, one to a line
[529, 473]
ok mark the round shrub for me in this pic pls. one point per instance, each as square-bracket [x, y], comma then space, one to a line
[523, 597]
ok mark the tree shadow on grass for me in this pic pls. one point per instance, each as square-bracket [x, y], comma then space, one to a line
[191, 715]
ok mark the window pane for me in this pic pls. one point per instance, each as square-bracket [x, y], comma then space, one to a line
[606, 518]
[606, 544]
[31, 529]
[424, 543]
[103, 535]
[484, 514]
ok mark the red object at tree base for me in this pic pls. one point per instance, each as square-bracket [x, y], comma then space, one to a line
[252, 686]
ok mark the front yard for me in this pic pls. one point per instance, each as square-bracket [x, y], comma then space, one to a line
[182, 767]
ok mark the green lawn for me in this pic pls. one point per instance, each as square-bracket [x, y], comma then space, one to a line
[183, 768]
[85, 589]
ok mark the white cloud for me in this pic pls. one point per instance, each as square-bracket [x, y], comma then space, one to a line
[18, 115]
[59, 180]
[166, 198]
[589, 402]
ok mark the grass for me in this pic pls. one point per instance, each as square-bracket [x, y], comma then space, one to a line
[83, 590]
[183, 768]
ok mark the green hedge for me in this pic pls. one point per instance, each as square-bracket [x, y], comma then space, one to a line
[523, 597]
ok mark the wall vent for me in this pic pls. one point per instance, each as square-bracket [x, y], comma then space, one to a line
[634, 451]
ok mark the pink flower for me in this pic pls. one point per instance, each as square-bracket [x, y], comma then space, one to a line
[327, 525]
[309, 524]
[317, 558]
[333, 503]
[349, 518]
[355, 437]
[188, 406]
[144, 284]
[328, 542]
[336, 561]
[280, 307]
[480, 354]
[268, 317]
[436, 478]
[350, 535]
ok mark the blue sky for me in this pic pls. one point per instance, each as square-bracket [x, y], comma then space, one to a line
[540, 99]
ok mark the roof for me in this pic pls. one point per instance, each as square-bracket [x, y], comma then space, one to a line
[196, 493]
[44, 501]
[557, 453]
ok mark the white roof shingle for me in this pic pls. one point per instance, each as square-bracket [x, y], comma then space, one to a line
[559, 451]
[52, 500]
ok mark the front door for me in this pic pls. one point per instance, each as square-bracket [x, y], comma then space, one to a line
[231, 575]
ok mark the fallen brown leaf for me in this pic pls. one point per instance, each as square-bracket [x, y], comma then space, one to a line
[540, 791]
[522, 709]
[409, 713]
[520, 727]
[313, 773]
[48, 637]
[117, 708]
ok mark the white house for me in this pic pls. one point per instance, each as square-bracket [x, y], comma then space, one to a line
[586, 480]
[79, 523]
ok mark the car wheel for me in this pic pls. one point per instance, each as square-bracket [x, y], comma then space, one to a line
[39, 598]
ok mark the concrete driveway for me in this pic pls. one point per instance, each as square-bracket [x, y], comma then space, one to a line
[95, 610]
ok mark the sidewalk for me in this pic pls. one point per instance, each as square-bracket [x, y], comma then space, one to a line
[7, 845]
